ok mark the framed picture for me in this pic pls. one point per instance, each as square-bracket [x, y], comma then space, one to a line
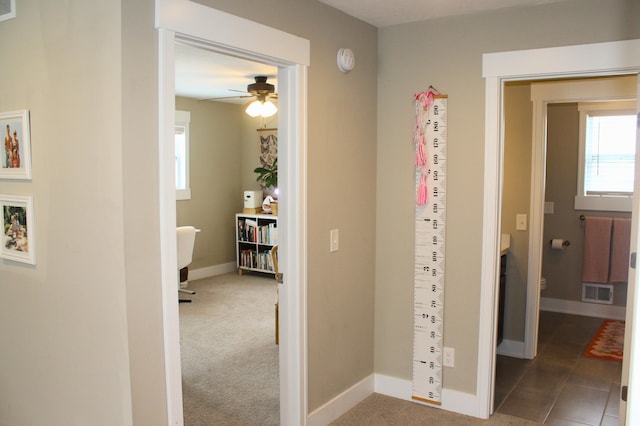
[18, 237]
[15, 155]
[7, 9]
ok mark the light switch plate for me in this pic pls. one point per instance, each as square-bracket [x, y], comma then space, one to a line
[449, 357]
[334, 240]
[521, 222]
[548, 207]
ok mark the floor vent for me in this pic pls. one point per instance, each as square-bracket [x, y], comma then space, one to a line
[597, 293]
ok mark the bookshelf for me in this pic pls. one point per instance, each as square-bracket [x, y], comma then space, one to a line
[256, 234]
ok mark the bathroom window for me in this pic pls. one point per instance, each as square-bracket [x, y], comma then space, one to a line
[183, 191]
[607, 156]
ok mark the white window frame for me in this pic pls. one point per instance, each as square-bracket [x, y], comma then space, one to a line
[599, 202]
[183, 118]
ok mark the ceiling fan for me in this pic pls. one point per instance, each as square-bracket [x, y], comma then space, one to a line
[262, 91]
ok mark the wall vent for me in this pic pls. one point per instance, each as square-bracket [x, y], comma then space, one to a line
[597, 293]
[7, 9]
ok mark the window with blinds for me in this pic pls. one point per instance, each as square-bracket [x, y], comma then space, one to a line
[607, 156]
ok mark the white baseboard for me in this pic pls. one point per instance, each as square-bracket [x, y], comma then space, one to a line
[580, 308]
[211, 271]
[452, 400]
[342, 403]
[511, 348]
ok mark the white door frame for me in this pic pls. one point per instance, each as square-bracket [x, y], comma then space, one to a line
[229, 34]
[535, 64]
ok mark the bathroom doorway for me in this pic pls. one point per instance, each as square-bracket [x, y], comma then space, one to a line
[566, 324]
[498, 69]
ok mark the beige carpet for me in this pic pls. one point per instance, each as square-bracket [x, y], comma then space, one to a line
[381, 410]
[229, 356]
[230, 364]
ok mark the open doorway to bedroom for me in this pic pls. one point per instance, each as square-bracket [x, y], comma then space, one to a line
[291, 55]
[227, 327]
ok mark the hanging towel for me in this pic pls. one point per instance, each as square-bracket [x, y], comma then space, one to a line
[597, 248]
[620, 242]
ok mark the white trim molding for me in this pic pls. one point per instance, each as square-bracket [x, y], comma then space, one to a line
[342, 403]
[581, 308]
[452, 400]
[212, 271]
[511, 348]
[216, 31]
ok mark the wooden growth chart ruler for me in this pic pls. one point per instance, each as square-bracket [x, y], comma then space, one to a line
[430, 138]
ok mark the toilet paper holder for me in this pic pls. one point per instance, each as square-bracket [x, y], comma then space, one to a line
[565, 243]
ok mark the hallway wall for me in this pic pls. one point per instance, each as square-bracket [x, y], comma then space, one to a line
[447, 53]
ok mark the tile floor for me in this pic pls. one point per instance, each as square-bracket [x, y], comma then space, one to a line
[561, 386]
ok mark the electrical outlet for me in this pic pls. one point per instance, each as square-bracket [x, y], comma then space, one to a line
[334, 240]
[449, 357]
[521, 222]
[548, 207]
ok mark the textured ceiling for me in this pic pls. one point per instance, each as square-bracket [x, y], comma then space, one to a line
[203, 74]
[383, 13]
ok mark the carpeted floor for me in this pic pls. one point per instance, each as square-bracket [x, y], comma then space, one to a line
[229, 356]
[381, 410]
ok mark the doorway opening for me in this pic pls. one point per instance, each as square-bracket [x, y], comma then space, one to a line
[229, 355]
[612, 58]
[291, 55]
[565, 325]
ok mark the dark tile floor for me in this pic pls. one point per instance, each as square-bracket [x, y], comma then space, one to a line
[561, 386]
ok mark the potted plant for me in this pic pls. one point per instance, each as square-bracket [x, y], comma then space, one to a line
[268, 175]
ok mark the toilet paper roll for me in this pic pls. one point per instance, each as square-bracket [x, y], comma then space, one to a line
[557, 244]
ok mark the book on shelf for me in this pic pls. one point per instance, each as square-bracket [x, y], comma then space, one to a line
[263, 234]
[256, 260]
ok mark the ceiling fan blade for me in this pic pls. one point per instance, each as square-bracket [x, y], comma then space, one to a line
[225, 97]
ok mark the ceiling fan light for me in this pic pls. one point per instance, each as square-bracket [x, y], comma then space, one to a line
[259, 108]
[268, 109]
[254, 109]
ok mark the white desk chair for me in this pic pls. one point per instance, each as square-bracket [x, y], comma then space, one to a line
[186, 237]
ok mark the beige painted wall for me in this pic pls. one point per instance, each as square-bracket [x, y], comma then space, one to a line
[82, 330]
[216, 153]
[447, 53]
[516, 193]
[563, 269]
[341, 188]
[63, 322]
[225, 149]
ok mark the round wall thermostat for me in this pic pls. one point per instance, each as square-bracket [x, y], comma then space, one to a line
[346, 60]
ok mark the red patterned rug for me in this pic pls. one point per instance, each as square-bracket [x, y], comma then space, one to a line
[608, 341]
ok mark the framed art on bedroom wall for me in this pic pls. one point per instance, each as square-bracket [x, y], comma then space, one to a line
[15, 155]
[18, 236]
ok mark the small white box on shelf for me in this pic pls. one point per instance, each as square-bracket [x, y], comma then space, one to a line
[252, 199]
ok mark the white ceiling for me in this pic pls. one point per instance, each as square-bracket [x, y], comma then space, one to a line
[383, 13]
[202, 74]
